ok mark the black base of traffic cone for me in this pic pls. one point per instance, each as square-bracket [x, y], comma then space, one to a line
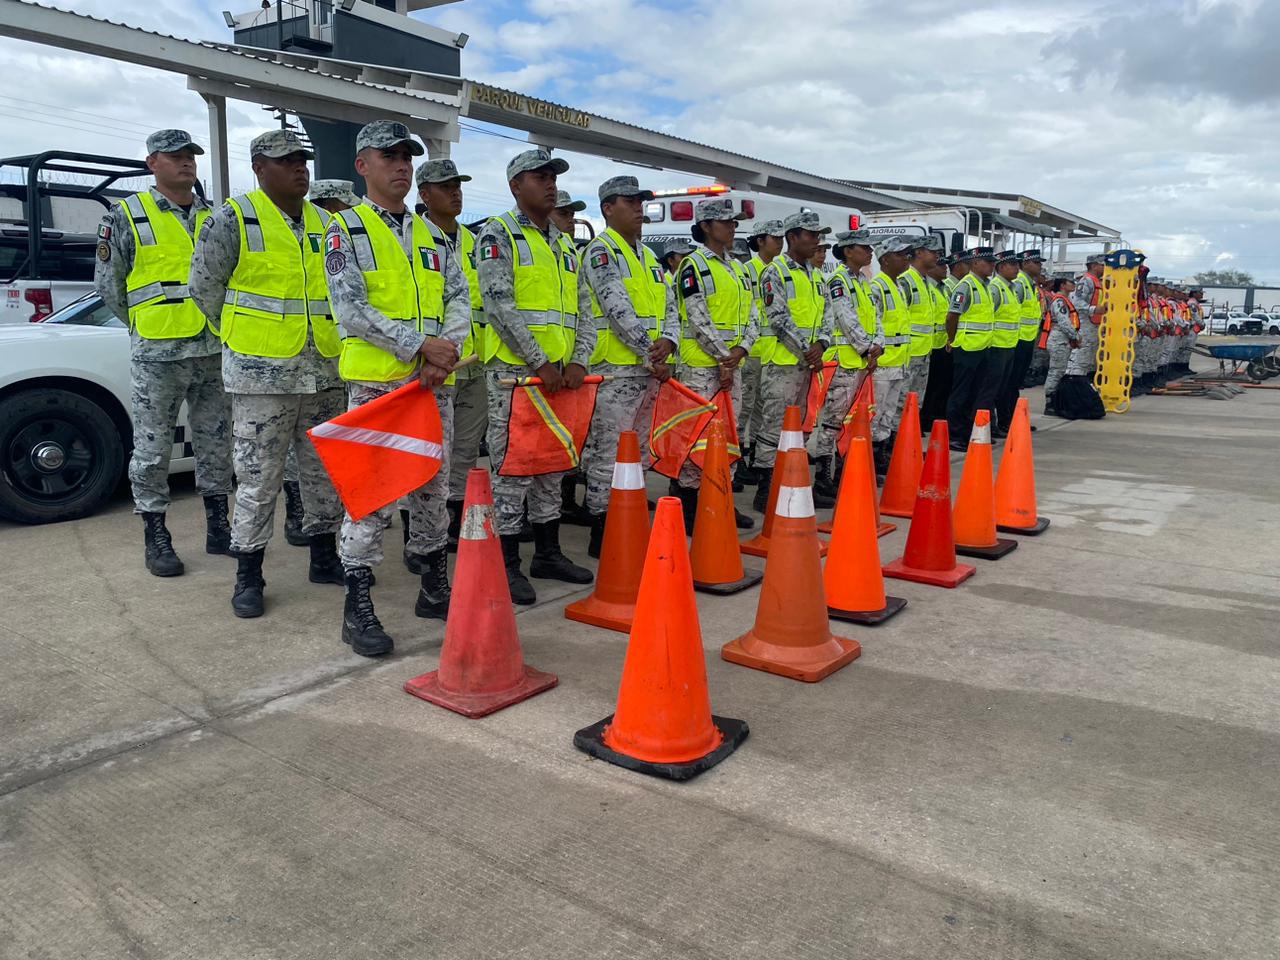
[869, 618]
[1001, 548]
[750, 579]
[1041, 525]
[590, 740]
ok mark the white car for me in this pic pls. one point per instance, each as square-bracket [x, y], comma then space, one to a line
[65, 425]
[1270, 321]
[1229, 321]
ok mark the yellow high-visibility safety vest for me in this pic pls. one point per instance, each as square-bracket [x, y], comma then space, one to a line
[160, 305]
[465, 248]
[727, 291]
[765, 338]
[841, 349]
[975, 327]
[278, 289]
[896, 323]
[544, 278]
[919, 314]
[407, 289]
[1007, 320]
[1029, 312]
[939, 315]
[645, 287]
[804, 300]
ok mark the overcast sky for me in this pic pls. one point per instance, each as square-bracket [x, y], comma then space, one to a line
[1159, 118]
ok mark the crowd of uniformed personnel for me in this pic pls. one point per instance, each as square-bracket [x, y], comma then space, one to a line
[288, 305]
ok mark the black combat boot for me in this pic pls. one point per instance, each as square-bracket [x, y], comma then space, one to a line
[880, 455]
[746, 467]
[246, 599]
[548, 562]
[293, 514]
[570, 512]
[412, 561]
[325, 566]
[360, 625]
[1051, 405]
[433, 598]
[738, 483]
[760, 503]
[217, 537]
[455, 523]
[823, 486]
[521, 589]
[743, 521]
[526, 528]
[158, 552]
[688, 507]
[596, 543]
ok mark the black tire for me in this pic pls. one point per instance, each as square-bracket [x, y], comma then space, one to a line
[82, 451]
[1233, 330]
[1256, 371]
[1274, 331]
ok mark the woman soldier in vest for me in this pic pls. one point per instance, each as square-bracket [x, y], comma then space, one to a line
[894, 253]
[1063, 339]
[765, 243]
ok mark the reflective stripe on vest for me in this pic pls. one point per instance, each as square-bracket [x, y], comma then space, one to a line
[278, 287]
[1006, 322]
[975, 328]
[408, 289]
[160, 305]
[645, 289]
[804, 300]
[1029, 309]
[841, 349]
[896, 323]
[919, 313]
[939, 315]
[465, 248]
[726, 288]
[765, 338]
[541, 275]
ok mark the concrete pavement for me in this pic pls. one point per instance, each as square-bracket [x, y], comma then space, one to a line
[1073, 755]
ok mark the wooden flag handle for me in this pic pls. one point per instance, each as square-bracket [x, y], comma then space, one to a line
[537, 381]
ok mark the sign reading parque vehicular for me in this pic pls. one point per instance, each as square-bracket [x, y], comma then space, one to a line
[519, 103]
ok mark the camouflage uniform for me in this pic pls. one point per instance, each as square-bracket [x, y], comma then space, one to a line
[1059, 346]
[497, 286]
[624, 402]
[164, 373]
[273, 403]
[783, 386]
[889, 382]
[361, 541]
[333, 190]
[1082, 297]
[915, 378]
[842, 306]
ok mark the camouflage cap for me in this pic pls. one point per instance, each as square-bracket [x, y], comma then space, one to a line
[383, 134]
[534, 160]
[766, 228]
[334, 190]
[1093, 258]
[1029, 255]
[171, 141]
[740, 248]
[719, 208]
[278, 143]
[934, 242]
[854, 238]
[896, 244]
[443, 170]
[1009, 256]
[678, 246]
[804, 220]
[622, 187]
[565, 201]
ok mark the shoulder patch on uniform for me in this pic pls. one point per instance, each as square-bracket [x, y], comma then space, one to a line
[689, 280]
[490, 251]
[104, 230]
[430, 259]
[335, 261]
[836, 286]
[570, 262]
[104, 251]
[600, 258]
[335, 240]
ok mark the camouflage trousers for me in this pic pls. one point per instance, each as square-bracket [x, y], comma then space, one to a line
[264, 426]
[1185, 345]
[780, 387]
[1059, 348]
[844, 385]
[361, 542]
[705, 381]
[511, 494]
[891, 395]
[624, 403]
[1170, 351]
[158, 389]
[470, 418]
[291, 465]
[752, 412]
[1088, 359]
[917, 378]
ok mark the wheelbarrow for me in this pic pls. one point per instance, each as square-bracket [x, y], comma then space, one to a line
[1248, 361]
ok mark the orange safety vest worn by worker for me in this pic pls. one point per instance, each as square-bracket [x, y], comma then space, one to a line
[1048, 318]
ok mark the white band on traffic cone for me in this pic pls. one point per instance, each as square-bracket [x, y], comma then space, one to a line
[981, 434]
[790, 440]
[627, 476]
[795, 502]
[473, 522]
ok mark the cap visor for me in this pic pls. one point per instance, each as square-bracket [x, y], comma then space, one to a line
[189, 145]
[577, 206]
[558, 164]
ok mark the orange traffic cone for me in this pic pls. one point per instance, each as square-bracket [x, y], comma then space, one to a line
[854, 582]
[930, 556]
[974, 516]
[791, 438]
[481, 667]
[626, 537]
[861, 416]
[903, 479]
[792, 636]
[663, 724]
[1016, 479]
[716, 559]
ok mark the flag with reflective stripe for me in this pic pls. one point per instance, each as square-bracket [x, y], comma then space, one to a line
[679, 417]
[866, 394]
[724, 416]
[819, 384]
[380, 451]
[546, 433]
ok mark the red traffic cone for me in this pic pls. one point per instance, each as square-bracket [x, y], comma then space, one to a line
[930, 556]
[860, 417]
[974, 516]
[482, 668]
[791, 438]
[1016, 479]
[626, 537]
[715, 557]
[792, 636]
[903, 479]
[663, 723]
[854, 582]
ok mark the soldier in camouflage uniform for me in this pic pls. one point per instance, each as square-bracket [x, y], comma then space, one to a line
[765, 242]
[792, 293]
[1087, 283]
[277, 363]
[524, 325]
[672, 253]
[714, 339]
[333, 196]
[381, 353]
[1063, 342]
[890, 378]
[632, 346]
[144, 250]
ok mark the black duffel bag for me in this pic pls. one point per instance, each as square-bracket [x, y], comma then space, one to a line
[1077, 400]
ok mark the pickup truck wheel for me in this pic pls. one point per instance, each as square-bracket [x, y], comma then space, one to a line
[1233, 329]
[61, 456]
[1273, 330]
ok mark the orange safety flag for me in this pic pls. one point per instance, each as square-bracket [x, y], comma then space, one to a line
[545, 434]
[819, 384]
[866, 394]
[380, 451]
[679, 418]
[723, 416]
